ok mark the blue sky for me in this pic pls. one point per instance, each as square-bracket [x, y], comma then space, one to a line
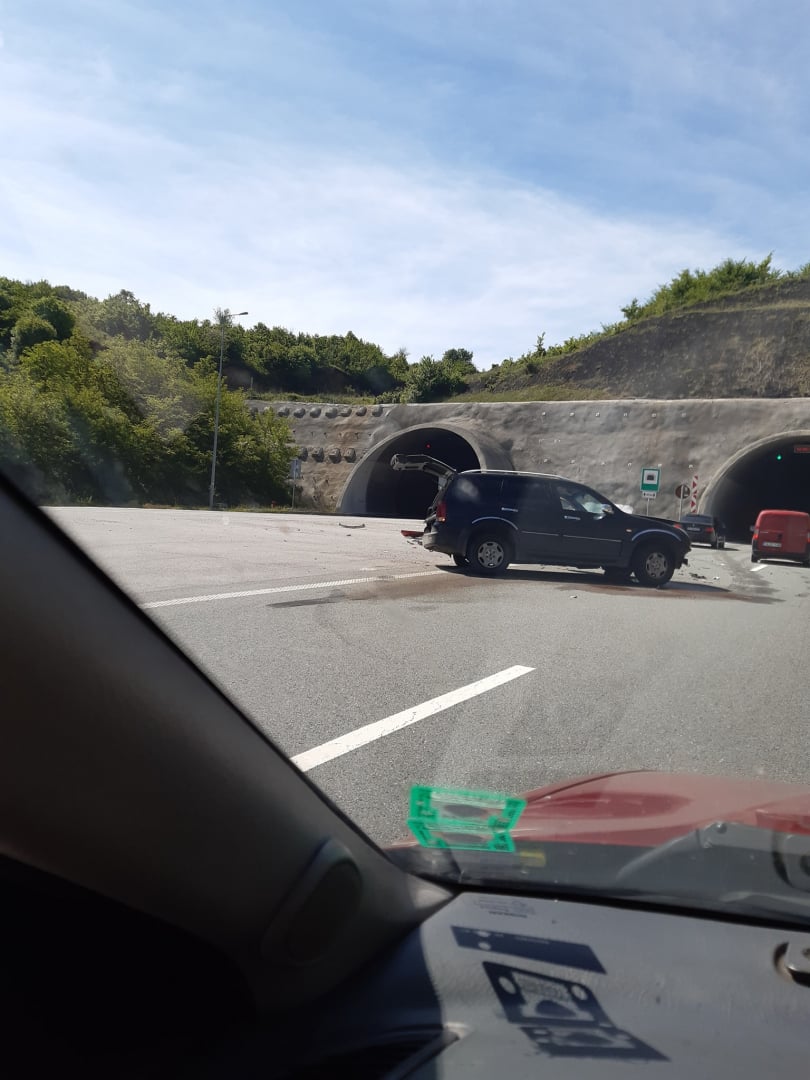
[427, 173]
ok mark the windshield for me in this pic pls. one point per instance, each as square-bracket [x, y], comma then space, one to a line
[255, 253]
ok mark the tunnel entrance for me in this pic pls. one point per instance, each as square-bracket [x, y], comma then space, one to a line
[377, 490]
[774, 474]
[409, 494]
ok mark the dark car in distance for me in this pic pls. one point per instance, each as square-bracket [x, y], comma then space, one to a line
[704, 529]
[486, 520]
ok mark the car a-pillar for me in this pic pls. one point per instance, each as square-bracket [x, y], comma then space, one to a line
[375, 489]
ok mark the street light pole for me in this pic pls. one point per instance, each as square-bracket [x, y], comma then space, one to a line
[224, 320]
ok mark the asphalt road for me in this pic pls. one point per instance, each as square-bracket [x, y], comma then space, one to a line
[320, 626]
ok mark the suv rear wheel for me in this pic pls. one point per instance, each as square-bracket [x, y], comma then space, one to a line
[489, 553]
[653, 565]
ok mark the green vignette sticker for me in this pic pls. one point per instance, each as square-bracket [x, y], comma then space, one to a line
[463, 820]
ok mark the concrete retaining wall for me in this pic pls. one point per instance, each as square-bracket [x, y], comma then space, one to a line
[602, 443]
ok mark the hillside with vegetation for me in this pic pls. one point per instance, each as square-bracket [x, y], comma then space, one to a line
[107, 401]
[101, 401]
[740, 330]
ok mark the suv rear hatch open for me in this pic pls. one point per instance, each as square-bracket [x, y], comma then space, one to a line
[424, 463]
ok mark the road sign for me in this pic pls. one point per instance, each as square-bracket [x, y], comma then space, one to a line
[650, 479]
[295, 474]
[801, 448]
[693, 494]
[648, 494]
[682, 491]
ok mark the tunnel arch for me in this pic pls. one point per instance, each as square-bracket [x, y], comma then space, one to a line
[375, 489]
[769, 474]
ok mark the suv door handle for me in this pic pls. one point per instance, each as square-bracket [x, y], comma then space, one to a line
[510, 509]
[572, 517]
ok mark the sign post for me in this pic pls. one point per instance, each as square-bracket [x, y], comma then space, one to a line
[295, 474]
[682, 494]
[650, 483]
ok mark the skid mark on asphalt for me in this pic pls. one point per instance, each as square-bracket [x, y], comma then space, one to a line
[310, 601]
[444, 590]
[353, 740]
[276, 589]
[674, 590]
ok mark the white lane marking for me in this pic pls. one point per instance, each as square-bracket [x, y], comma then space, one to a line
[756, 569]
[285, 589]
[353, 740]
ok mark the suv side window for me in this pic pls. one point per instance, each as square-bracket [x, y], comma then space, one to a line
[574, 497]
[476, 489]
[524, 492]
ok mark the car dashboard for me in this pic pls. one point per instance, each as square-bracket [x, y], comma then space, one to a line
[514, 986]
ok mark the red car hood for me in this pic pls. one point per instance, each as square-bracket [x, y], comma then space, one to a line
[648, 808]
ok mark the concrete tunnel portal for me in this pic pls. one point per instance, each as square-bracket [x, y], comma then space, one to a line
[772, 474]
[377, 490]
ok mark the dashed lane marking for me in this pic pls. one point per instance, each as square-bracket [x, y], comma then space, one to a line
[353, 740]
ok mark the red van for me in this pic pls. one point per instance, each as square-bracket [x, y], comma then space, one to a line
[781, 534]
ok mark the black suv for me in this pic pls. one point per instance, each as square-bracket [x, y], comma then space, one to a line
[486, 520]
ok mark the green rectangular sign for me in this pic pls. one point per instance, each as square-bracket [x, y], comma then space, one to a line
[650, 479]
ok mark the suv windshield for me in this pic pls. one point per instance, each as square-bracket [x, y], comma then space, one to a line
[383, 352]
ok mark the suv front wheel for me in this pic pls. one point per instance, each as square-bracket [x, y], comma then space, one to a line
[653, 565]
[489, 553]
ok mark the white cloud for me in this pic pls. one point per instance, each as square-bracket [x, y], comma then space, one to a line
[112, 182]
[427, 261]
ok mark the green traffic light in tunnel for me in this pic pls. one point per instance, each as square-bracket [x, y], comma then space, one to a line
[778, 457]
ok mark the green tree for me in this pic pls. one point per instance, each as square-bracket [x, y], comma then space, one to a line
[189, 339]
[7, 316]
[122, 313]
[57, 313]
[460, 360]
[432, 380]
[266, 450]
[30, 330]
[398, 366]
[166, 391]
[36, 441]
[254, 452]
